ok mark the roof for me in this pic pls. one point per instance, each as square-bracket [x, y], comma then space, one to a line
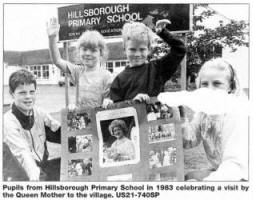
[12, 57]
[42, 56]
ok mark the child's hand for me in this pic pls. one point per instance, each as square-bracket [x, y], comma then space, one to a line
[186, 113]
[53, 28]
[161, 24]
[142, 98]
[106, 103]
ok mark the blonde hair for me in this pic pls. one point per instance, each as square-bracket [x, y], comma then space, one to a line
[221, 64]
[137, 31]
[92, 39]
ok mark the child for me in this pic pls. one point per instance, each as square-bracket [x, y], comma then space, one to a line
[26, 129]
[94, 82]
[224, 136]
[142, 79]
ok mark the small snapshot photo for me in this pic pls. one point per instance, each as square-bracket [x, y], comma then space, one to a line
[77, 121]
[80, 167]
[162, 177]
[162, 158]
[156, 111]
[118, 137]
[161, 133]
[80, 143]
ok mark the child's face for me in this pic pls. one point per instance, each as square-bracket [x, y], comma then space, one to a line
[214, 78]
[136, 52]
[90, 57]
[24, 97]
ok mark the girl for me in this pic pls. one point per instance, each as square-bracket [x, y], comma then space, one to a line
[94, 82]
[224, 136]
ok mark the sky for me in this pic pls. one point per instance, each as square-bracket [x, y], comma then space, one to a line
[25, 24]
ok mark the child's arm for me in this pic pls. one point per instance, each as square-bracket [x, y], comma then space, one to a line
[53, 32]
[106, 93]
[234, 164]
[52, 127]
[191, 132]
[116, 94]
[167, 65]
[20, 149]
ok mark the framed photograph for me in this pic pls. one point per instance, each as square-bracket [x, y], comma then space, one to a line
[118, 133]
[80, 167]
[78, 120]
[161, 132]
[163, 157]
[80, 143]
[157, 111]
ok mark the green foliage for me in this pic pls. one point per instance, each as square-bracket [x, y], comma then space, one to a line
[204, 43]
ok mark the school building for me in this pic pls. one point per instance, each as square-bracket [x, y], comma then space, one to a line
[39, 62]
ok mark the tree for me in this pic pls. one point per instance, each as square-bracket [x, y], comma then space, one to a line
[204, 43]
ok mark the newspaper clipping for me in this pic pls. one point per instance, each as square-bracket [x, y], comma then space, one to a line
[126, 100]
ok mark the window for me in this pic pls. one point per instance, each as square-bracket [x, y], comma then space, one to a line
[117, 64]
[40, 71]
[123, 63]
[45, 71]
[109, 66]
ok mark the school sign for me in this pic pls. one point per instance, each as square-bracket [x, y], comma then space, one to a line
[108, 19]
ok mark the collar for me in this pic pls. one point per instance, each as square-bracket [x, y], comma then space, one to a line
[26, 121]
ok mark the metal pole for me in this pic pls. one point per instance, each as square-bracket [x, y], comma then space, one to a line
[183, 69]
[65, 45]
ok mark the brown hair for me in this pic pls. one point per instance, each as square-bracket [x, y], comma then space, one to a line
[21, 77]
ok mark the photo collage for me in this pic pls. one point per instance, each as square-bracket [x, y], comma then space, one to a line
[162, 141]
[109, 148]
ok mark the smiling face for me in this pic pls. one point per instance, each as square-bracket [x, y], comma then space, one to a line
[24, 97]
[90, 57]
[136, 52]
[215, 78]
[117, 132]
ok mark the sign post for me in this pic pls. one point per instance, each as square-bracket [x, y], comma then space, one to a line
[184, 70]
[66, 53]
[108, 19]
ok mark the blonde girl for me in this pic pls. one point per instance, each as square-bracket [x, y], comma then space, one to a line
[224, 137]
[94, 82]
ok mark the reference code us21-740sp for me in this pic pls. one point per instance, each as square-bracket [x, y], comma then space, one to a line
[137, 194]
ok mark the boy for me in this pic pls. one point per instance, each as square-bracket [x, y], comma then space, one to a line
[26, 129]
[142, 79]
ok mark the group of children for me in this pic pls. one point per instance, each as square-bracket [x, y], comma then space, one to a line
[27, 128]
